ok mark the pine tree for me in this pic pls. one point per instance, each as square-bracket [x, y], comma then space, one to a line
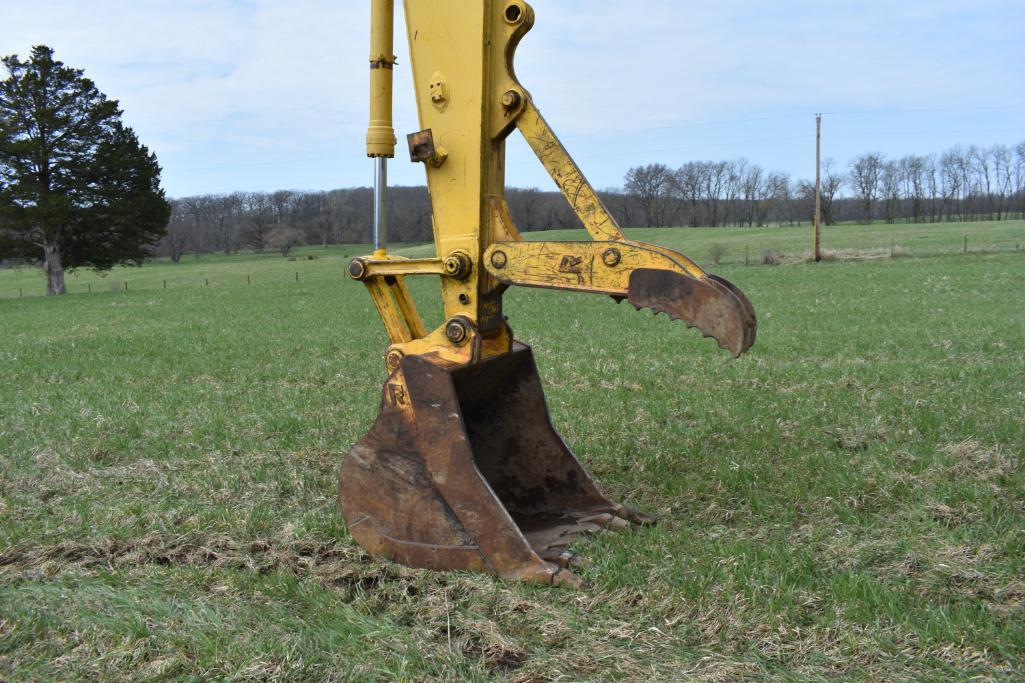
[77, 189]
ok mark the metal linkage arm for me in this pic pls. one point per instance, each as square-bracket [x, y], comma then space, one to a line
[648, 277]
[566, 174]
[601, 267]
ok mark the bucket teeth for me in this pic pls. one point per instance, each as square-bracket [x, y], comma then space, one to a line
[712, 304]
[634, 516]
[607, 520]
[564, 578]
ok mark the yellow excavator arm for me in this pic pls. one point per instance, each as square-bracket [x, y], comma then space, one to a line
[463, 469]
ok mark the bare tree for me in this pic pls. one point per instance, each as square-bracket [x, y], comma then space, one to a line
[312, 217]
[259, 214]
[715, 179]
[350, 219]
[752, 189]
[1003, 174]
[525, 207]
[284, 238]
[411, 214]
[690, 178]
[889, 186]
[1019, 175]
[951, 181]
[777, 197]
[830, 185]
[865, 176]
[654, 187]
[981, 167]
[228, 211]
[912, 170]
[179, 231]
[622, 205]
[732, 189]
[933, 186]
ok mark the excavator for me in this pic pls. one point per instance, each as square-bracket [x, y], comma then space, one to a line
[463, 469]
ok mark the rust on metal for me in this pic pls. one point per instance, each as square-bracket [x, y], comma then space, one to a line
[511, 99]
[421, 145]
[711, 305]
[464, 470]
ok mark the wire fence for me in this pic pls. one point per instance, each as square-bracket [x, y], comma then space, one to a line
[32, 282]
[723, 247]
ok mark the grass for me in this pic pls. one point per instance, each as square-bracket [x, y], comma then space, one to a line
[323, 265]
[845, 501]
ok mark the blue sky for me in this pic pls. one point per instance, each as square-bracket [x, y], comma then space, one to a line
[264, 95]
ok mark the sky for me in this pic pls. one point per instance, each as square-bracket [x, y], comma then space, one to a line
[260, 95]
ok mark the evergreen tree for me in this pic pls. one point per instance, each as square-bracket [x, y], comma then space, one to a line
[77, 189]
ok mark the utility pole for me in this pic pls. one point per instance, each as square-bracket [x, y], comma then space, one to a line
[818, 184]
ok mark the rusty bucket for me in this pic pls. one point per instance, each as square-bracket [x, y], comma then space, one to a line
[464, 470]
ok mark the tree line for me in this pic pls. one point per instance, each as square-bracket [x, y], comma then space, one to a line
[287, 218]
[962, 183]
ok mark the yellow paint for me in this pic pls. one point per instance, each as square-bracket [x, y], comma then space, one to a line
[599, 267]
[380, 135]
[461, 54]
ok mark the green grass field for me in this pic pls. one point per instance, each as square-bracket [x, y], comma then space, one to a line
[322, 265]
[845, 501]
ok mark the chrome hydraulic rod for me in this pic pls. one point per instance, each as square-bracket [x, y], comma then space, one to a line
[380, 204]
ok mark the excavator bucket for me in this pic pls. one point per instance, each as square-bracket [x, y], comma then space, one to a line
[464, 470]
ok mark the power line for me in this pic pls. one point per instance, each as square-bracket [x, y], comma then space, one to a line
[863, 112]
[346, 182]
[930, 132]
[695, 124]
[404, 174]
[912, 111]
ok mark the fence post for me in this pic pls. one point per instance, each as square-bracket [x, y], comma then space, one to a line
[165, 284]
[20, 294]
[297, 276]
[90, 286]
[248, 281]
[965, 249]
[126, 285]
[207, 280]
[745, 255]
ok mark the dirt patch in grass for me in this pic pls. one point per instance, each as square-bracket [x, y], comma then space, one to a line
[335, 562]
[443, 607]
[979, 461]
[775, 257]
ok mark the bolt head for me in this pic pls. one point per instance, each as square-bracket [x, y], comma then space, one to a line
[393, 359]
[455, 331]
[357, 269]
[511, 99]
[457, 265]
[611, 257]
[499, 259]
